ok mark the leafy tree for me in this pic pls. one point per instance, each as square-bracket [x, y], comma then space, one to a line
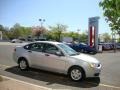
[26, 31]
[1, 28]
[50, 35]
[18, 31]
[111, 10]
[57, 31]
[4, 31]
[38, 31]
[83, 37]
[72, 34]
[106, 37]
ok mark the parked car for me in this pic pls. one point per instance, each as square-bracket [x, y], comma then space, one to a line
[81, 47]
[40, 39]
[107, 46]
[118, 45]
[56, 57]
[16, 41]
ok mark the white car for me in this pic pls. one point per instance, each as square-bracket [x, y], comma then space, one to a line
[16, 41]
[56, 57]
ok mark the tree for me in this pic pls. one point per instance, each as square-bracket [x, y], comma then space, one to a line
[57, 31]
[18, 31]
[4, 31]
[1, 28]
[106, 37]
[111, 11]
[38, 31]
[83, 37]
[26, 31]
[73, 35]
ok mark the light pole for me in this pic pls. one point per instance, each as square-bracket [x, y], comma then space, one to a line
[41, 25]
[41, 22]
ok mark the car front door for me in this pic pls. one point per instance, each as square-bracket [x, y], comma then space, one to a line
[52, 61]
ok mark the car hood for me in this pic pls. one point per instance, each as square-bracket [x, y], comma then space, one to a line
[86, 58]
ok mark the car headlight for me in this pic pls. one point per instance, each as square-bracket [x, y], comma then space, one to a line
[93, 65]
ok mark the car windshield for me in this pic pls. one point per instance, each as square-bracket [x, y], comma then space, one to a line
[68, 50]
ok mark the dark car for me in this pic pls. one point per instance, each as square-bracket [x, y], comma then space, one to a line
[107, 46]
[118, 45]
[81, 47]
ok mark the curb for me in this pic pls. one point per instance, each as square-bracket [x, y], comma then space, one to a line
[23, 84]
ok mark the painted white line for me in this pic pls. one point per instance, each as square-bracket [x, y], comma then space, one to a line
[41, 87]
[109, 86]
[105, 85]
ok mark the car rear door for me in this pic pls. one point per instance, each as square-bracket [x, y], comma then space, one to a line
[36, 55]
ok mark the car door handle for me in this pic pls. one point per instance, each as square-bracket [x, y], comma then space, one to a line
[47, 55]
[30, 51]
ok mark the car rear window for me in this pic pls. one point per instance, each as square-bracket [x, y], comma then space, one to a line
[27, 47]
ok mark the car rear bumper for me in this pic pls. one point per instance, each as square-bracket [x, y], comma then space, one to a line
[15, 57]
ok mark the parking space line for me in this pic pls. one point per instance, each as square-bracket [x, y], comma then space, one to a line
[105, 85]
[110, 86]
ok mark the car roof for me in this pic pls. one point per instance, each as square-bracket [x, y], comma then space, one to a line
[51, 42]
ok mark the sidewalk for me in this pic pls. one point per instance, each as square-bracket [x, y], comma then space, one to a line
[7, 83]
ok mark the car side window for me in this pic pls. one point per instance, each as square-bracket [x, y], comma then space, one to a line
[51, 49]
[36, 47]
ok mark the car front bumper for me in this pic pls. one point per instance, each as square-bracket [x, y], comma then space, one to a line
[93, 72]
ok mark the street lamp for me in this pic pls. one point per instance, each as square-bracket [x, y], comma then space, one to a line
[41, 21]
[41, 25]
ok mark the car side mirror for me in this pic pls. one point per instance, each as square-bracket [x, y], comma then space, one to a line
[59, 53]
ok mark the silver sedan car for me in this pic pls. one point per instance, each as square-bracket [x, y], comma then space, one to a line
[56, 57]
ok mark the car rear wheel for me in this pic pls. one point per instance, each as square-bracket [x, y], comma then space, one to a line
[76, 74]
[23, 64]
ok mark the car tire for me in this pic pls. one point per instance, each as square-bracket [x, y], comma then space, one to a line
[76, 74]
[94, 52]
[82, 50]
[23, 64]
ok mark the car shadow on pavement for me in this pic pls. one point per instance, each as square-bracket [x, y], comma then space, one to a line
[54, 78]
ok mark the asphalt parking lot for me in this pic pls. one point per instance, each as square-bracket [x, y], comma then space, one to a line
[109, 78]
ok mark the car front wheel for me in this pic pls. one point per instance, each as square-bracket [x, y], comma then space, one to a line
[76, 74]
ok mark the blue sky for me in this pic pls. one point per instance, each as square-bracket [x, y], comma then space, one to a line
[74, 13]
